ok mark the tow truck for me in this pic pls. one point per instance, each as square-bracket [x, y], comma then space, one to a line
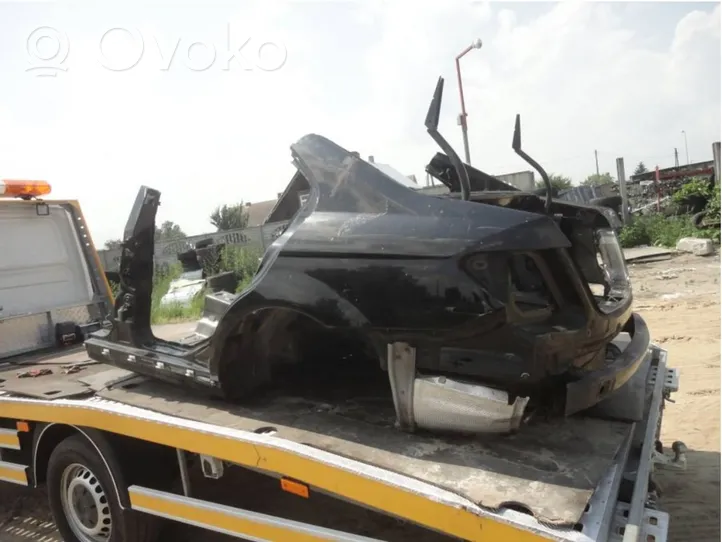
[123, 456]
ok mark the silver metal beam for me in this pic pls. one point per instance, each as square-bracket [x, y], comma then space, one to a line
[183, 467]
[639, 496]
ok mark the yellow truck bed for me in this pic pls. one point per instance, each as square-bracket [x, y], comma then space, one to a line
[537, 483]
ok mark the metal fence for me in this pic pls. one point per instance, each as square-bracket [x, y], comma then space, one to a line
[166, 253]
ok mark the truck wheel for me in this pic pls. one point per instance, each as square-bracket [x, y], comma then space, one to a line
[83, 504]
[697, 220]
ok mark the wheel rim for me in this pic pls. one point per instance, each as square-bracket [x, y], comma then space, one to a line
[85, 504]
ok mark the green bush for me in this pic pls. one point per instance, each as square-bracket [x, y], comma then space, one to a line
[713, 205]
[634, 234]
[175, 312]
[242, 261]
[659, 230]
[160, 314]
[114, 288]
[697, 186]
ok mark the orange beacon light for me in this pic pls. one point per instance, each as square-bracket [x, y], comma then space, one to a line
[23, 189]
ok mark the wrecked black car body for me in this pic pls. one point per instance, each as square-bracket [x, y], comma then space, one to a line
[478, 305]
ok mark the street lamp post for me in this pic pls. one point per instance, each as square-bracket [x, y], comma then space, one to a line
[686, 148]
[462, 117]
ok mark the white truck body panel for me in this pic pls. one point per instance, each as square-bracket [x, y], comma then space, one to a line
[44, 278]
[41, 263]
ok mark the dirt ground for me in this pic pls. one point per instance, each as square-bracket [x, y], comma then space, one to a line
[680, 300]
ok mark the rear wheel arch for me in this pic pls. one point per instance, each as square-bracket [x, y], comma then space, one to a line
[77, 474]
[47, 438]
[292, 324]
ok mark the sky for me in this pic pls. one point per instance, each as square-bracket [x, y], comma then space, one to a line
[202, 101]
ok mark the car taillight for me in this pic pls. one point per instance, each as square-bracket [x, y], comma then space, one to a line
[617, 288]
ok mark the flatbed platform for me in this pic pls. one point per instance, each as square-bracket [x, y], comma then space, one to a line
[546, 475]
[120, 454]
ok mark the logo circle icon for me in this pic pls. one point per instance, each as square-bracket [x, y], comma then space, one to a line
[127, 61]
[209, 50]
[57, 46]
[277, 48]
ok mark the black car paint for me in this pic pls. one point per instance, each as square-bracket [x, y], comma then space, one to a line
[372, 259]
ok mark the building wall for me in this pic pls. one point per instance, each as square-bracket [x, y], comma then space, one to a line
[523, 180]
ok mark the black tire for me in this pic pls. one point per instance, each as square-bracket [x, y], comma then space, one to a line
[693, 204]
[73, 455]
[697, 220]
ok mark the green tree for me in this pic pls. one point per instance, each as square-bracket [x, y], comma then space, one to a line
[641, 168]
[112, 244]
[229, 217]
[169, 231]
[596, 180]
[560, 182]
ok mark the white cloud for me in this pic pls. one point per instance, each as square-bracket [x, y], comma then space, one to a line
[584, 76]
[579, 75]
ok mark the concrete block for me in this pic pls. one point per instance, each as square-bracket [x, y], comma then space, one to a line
[698, 247]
